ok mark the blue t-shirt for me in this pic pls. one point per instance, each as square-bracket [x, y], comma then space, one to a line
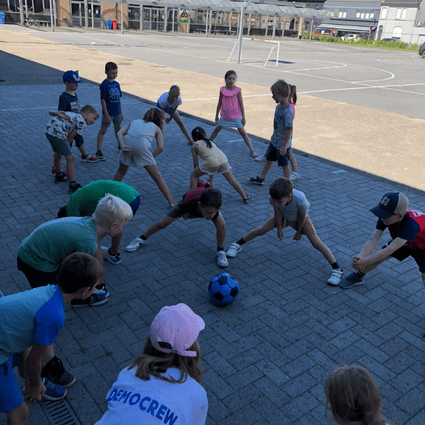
[111, 92]
[69, 103]
[283, 118]
[298, 204]
[31, 317]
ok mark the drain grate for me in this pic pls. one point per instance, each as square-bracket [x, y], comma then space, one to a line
[59, 412]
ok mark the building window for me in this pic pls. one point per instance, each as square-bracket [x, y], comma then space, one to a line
[362, 15]
[403, 14]
[384, 13]
[357, 15]
[372, 15]
[398, 13]
[397, 32]
[367, 15]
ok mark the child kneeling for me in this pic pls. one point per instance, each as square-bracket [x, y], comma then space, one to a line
[290, 209]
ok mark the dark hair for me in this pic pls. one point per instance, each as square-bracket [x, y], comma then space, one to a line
[230, 73]
[62, 212]
[110, 66]
[352, 396]
[154, 362]
[90, 109]
[174, 90]
[293, 95]
[78, 270]
[156, 116]
[211, 198]
[280, 188]
[198, 133]
[281, 87]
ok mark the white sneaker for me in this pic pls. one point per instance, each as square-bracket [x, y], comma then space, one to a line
[234, 249]
[221, 259]
[135, 245]
[336, 277]
[261, 158]
[295, 176]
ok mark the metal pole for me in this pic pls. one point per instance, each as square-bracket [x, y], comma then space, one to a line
[92, 14]
[274, 27]
[51, 14]
[86, 14]
[240, 32]
[311, 28]
[173, 12]
[206, 24]
[21, 12]
[122, 20]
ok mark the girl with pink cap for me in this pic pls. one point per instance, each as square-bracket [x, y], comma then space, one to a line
[162, 385]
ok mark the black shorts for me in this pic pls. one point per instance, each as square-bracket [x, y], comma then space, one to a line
[417, 254]
[272, 154]
[37, 278]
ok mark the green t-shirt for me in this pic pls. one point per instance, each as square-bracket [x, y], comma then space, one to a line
[48, 245]
[84, 201]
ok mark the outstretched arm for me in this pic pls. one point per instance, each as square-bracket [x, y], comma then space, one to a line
[242, 108]
[220, 225]
[121, 140]
[61, 114]
[220, 99]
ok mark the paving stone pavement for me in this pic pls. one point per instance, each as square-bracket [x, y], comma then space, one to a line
[266, 356]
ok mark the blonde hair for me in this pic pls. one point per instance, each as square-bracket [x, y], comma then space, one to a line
[353, 397]
[281, 87]
[112, 209]
[90, 109]
[153, 362]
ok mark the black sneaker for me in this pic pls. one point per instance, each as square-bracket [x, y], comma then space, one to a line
[61, 177]
[92, 301]
[100, 156]
[56, 373]
[73, 187]
[256, 180]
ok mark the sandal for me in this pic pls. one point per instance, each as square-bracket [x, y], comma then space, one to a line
[247, 200]
[253, 154]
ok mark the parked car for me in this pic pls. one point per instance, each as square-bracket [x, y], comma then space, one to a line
[347, 37]
[394, 39]
[422, 50]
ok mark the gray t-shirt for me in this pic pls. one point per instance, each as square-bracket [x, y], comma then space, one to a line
[283, 118]
[299, 203]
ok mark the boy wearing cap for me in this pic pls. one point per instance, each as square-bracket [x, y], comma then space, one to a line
[407, 230]
[162, 385]
[68, 102]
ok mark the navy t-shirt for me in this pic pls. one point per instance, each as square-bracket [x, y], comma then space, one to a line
[69, 103]
[111, 93]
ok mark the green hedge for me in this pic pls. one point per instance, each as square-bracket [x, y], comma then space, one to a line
[380, 44]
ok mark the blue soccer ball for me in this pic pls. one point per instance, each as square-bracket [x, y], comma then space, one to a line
[223, 289]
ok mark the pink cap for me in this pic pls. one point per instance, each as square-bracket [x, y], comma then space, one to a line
[177, 325]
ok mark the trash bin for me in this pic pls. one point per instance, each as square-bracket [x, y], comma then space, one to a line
[1, 17]
[108, 24]
[114, 24]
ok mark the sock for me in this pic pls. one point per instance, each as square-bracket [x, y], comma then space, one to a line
[144, 238]
[220, 248]
[360, 274]
[240, 241]
[335, 265]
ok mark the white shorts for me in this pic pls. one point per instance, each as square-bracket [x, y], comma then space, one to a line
[140, 154]
[222, 168]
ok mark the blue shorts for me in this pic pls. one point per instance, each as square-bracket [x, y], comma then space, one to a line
[37, 278]
[135, 205]
[272, 154]
[116, 120]
[10, 394]
[59, 145]
[404, 252]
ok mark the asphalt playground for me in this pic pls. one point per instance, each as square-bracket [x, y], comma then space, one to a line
[357, 134]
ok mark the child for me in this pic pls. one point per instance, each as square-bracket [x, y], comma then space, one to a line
[230, 106]
[41, 253]
[197, 203]
[84, 202]
[60, 132]
[29, 324]
[292, 102]
[110, 93]
[280, 144]
[215, 161]
[68, 102]
[407, 230]
[162, 384]
[290, 209]
[136, 149]
[353, 397]
[169, 102]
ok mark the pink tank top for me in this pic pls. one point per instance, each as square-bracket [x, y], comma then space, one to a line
[230, 107]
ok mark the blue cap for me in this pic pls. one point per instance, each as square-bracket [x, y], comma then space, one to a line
[72, 77]
[390, 204]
